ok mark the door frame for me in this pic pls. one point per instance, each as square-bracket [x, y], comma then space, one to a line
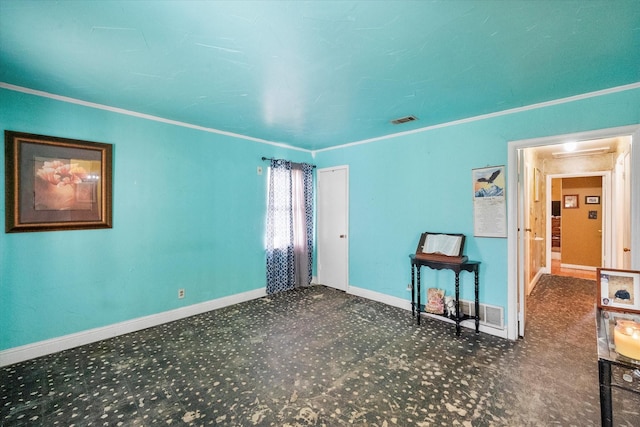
[515, 237]
[606, 254]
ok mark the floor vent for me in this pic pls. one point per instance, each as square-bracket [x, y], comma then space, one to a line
[490, 315]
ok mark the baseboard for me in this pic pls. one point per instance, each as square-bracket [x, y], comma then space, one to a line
[406, 305]
[535, 280]
[380, 297]
[54, 345]
[578, 267]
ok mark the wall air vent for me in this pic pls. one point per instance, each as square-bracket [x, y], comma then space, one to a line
[404, 120]
[490, 315]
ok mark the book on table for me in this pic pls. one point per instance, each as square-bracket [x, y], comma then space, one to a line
[444, 247]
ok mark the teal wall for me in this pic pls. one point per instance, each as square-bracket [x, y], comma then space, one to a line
[406, 185]
[188, 212]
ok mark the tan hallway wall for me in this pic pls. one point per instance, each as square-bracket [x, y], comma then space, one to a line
[581, 232]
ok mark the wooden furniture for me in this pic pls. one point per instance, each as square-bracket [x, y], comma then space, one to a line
[614, 369]
[470, 266]
[555, 232]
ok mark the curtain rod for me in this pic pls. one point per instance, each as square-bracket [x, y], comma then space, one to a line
[271, 158]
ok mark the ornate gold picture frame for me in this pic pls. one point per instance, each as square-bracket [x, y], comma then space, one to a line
[56, 184]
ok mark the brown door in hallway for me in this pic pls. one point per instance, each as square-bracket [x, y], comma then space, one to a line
[581, 221]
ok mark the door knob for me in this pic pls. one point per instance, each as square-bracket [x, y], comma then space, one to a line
[342, 236]
[626, 250]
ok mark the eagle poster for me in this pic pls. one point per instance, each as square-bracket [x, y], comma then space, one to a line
[489, 202]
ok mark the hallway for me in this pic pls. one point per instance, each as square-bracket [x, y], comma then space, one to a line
[558, 270]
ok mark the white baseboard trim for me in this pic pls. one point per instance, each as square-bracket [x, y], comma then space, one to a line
[54, 345]
[380, 297]
[535, 280]
[578, 267]
[406, 305]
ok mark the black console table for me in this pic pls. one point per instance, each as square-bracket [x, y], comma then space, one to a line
[613, 366]
[470, 266]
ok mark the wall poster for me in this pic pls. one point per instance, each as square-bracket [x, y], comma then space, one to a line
[489, 202]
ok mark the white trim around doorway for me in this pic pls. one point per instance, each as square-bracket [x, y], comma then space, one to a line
[605, 256]
[513, 249]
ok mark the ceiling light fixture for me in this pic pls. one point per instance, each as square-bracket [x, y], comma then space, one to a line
[585, 152]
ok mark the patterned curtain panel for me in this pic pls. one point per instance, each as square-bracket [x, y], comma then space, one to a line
[302, 208]
[289, 226]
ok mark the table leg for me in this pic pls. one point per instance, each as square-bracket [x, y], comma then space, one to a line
[418, 296]
[457, 303]
[606, 409]
[413, 292]
[477, 288]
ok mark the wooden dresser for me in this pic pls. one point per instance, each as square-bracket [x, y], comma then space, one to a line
[555, 232]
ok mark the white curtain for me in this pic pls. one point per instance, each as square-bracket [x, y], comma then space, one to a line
[289, 226]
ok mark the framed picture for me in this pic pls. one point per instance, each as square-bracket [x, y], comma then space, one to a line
[619, 290]
[571, 201]
[56, 183]
[593, 214]
[592, 200]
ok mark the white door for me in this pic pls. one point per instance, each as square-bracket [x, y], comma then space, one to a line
[626, 212]
[523, 238]
[634, 191]
[333, 227]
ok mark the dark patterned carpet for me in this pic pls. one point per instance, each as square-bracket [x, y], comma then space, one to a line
[317, 356]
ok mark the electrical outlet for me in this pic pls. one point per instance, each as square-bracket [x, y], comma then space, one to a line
[409, 287]
[180, 293]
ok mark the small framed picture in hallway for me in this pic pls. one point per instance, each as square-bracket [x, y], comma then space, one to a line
[571, 201]
[619, 290]
[592, 200]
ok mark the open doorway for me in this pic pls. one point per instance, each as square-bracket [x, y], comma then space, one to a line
[532, 163]
[576, 244]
